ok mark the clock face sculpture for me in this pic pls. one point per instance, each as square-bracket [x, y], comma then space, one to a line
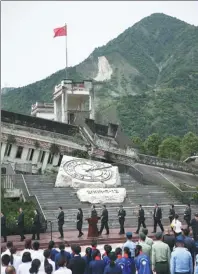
[87, 170]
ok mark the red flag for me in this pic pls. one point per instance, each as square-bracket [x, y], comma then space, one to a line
[60, 31]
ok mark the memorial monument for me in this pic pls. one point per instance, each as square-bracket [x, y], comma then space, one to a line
[96, 182]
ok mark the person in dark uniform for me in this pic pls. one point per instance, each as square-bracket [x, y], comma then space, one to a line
[121, 218]
[104, 221]
[141, 219]
[187, 214]
[36, 225]
[3, 227]
[20, 223]
[79, 222]
[171, 213]
[93, 211]
[157, 216]
[61, 221]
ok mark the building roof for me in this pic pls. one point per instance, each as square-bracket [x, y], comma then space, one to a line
[38, 123]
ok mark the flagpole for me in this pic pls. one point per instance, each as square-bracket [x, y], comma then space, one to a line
[66, 59]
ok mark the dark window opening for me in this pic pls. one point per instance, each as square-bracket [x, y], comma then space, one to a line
[41, 156]
[50, 158]
[8, 150]
[19, 152]
[60, 160]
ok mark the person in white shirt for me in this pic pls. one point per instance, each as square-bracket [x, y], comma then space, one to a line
[176, 225]
[5, 260]
[62, 267]
[24, 267]
[35, 267]
[37, 253]
[8, 246]
[47, 260]
[15, 260]
[28, 247]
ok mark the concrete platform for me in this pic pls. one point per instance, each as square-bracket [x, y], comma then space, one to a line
[71, 238]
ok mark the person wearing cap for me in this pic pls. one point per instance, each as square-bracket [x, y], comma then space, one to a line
[181, 259]
[130, 244]
[160, 255]
[194, 225]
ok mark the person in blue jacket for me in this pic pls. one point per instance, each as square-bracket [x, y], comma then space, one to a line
[105, 258]
[126, 263]
[62, 254]
[96, 266]
[87, 258]
[112, 267]
[53, 250]
[142, 261]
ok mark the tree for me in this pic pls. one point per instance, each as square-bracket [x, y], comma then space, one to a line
[170, 148]
[152, 143]
[138, 144]
[189, 145]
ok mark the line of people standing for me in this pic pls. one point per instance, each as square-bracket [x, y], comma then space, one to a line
[20, 222]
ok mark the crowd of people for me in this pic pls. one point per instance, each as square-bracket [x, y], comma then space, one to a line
[169, 253]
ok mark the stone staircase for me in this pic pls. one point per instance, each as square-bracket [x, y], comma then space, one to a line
[50, 198]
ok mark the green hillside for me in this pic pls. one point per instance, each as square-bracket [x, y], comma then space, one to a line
[154, 85]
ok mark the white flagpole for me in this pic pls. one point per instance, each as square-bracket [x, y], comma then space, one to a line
[66, 59]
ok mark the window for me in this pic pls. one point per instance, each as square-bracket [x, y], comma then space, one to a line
[30, 154]
[8, 150]
[50, 158]
[41, 156]
[19, 152]
[71, 118]
[60, 159]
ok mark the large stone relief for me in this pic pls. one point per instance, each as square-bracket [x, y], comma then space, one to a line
[102, 195]
[78, 172]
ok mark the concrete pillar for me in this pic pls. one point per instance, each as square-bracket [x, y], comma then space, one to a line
[63, 106]
[35, 156]
[55, 160]
[55, 111]
[3, 148]
[44, 165]
[13, 152]
[24, 154]
[91, 107]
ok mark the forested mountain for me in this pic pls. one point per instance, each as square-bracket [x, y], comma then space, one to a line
[154, 84]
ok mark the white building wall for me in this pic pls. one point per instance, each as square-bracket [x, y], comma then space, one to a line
[55, 160]
[24, 154]
[46, 115]
[44, 165]
[13, 152]
[3, 148]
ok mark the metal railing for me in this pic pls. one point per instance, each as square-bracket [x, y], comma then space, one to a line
[8, 181]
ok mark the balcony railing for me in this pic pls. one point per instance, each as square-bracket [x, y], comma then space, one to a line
[8, 181]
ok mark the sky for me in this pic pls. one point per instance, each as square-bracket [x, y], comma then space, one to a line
[29, 52]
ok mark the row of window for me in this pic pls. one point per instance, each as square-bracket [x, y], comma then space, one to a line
[31, 154]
